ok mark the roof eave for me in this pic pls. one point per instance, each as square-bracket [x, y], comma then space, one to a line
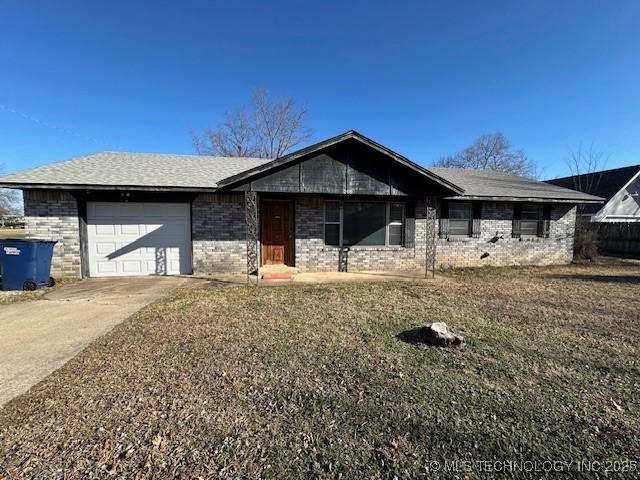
[64, 186]
[596, 200]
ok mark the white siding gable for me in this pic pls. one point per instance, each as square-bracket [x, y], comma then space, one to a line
[624, 206]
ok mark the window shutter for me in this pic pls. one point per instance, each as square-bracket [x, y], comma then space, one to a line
[546, 221]
[410, 225]
[517, 216]
[477, 215]
[444, 220]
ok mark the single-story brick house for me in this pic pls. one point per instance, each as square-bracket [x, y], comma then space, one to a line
[346, 203]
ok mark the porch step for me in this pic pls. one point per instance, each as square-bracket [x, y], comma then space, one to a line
[277, 276]
[277, 272]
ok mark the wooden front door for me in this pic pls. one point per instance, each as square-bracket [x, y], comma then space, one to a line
[277, 232]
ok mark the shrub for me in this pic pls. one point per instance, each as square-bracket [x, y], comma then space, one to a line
[585, 244]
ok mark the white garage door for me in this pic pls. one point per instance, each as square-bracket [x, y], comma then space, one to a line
[126, 239]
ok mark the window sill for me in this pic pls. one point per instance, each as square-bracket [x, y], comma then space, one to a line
[459, 238]
[382, 248]
[532, 238]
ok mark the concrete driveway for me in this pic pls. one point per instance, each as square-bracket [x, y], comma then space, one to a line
[39, 336]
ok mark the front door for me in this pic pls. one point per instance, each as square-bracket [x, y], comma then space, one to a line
[277, 232]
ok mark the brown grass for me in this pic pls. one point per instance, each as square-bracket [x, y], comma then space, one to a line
[325, 381]
[15, 296]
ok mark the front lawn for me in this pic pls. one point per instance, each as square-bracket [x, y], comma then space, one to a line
[326, 381]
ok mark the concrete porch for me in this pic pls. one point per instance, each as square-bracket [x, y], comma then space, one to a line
[294, 277]
[277, 272]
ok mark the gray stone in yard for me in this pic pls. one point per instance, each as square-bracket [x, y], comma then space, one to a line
[439, 335]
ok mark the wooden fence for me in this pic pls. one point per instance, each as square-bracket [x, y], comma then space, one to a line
[618, 237]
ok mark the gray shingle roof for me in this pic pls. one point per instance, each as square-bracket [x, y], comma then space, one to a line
[152, 170]
[485, 183]
[165, 171]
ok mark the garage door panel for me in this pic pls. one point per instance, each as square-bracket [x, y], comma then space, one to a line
[151, 265]
[160, 211]
[132, 267]
[102, 210]
[106, 268]
[129, 210]
[138, 238]
[105, 229]
[105, 248]
[175, 211]
[132, 229]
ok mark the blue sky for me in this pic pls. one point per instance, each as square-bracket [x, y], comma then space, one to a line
[424, 78]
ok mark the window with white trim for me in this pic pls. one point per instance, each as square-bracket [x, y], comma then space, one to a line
[396, 223]
[460, 218]
[530, 215]
[373, 224]
[332, 223]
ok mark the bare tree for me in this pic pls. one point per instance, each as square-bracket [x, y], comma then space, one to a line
[490, 151]
[271, 128]
[9, 200]
[585, 165]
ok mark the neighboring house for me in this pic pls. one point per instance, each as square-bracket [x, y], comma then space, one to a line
[346, 203]
[620, 188]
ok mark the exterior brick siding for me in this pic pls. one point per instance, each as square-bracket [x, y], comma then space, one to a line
[497, 222]
[218, 234]
[53, 215]
[219, 241]
[313, 256]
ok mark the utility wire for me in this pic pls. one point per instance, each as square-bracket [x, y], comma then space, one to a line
[52, 126]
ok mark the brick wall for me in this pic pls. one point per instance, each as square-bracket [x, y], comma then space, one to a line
[218, 234]
[219, 241]
[497, 222]
[53, 215]
[313, 256]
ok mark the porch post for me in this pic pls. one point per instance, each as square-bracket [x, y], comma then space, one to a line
[251, 215]
[430, 238]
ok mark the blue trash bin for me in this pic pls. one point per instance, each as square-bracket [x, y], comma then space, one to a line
[26, 264]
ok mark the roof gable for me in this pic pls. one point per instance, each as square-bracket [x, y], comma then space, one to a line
[624, 205]
[279, 164]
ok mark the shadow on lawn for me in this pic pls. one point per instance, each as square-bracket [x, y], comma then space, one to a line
[630, 279]
[412, 337]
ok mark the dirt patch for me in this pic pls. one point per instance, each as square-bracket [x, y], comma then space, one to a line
[12, 232]
[15, 296]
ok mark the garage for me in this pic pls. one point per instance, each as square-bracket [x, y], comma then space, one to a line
[127, 239]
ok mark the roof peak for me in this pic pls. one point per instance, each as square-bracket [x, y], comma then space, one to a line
[609, 170]
[481, 170]
[330, 142]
